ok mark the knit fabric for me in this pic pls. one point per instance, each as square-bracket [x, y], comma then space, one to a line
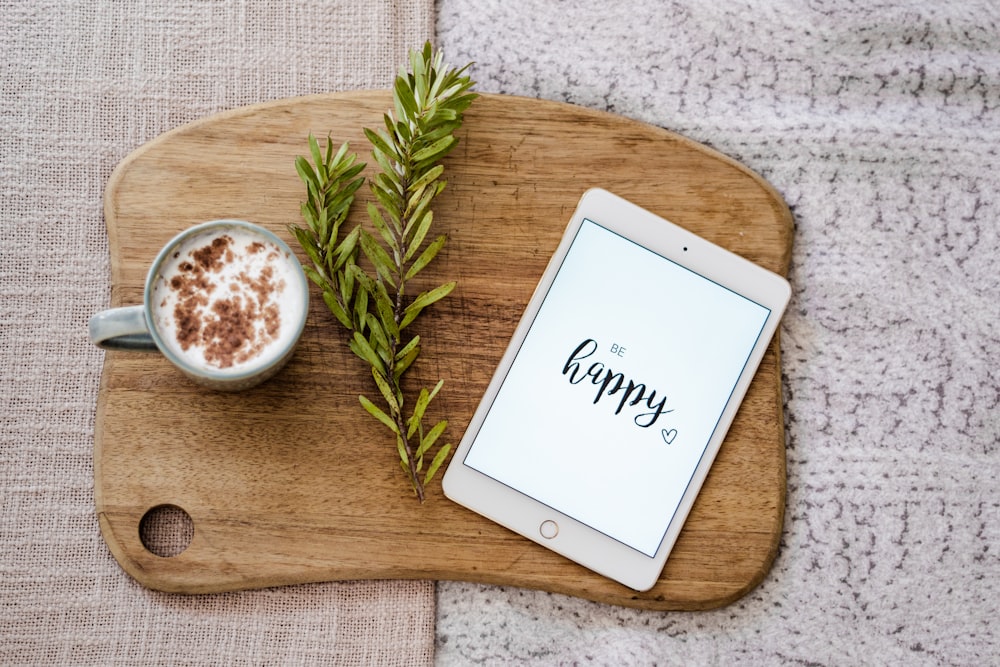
[879, 124]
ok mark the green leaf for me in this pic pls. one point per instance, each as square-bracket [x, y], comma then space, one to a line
[436, 463]
[307, 243]
[423, 400]
[443, 116]
[341, 168]
[426, 256]
[385, 309]
[423, 300]
[377, 255]
[389, 202]
[352, 172]
[314, 275]
[390, 183]
[338, 311]
[402, 131]
[418, 68]
[414, 242]
[365, 290]
[414, 344]
[359, 275]
[361, 305]
[345, 250]
[378, 414]
[416, 203]
[308, 214]
[404, 362]
[339, 201]
[303, 236]
[314, 150]
[442, 129]
[346, 280]
[435, 150]
[418, 412]
[460, 104]
[385, 162]
[404, 96]
[390, 128]
[428, 440]
[381, 142]
[435, 390]
[378, 337]
[323, 224]
[307, 174]
[406, 356]
[329, 150]
[422, 206]
[360, 346]
[401, 448]
[387, 392]
[376, 217]
[341, 152]
[424, 179]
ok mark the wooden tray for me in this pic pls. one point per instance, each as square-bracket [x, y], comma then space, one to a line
[293, 482]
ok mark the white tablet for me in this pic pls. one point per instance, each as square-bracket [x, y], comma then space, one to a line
[622, 378]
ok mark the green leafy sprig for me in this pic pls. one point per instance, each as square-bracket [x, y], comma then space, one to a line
[376, 308]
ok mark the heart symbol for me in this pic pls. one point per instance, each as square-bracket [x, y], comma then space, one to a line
[668, 436]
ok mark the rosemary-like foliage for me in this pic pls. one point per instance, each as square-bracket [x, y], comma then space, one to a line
[428, 106]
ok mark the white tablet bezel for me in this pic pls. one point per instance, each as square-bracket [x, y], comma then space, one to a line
[524, 515]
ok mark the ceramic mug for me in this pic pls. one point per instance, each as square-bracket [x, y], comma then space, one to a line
[225, 301]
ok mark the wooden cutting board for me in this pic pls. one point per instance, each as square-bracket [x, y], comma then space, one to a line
[293, 482]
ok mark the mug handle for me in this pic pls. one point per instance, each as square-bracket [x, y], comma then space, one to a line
[122, 329]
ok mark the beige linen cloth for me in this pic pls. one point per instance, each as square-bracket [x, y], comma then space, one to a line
[82, 85]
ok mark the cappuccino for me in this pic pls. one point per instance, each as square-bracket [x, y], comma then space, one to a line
[228, 300]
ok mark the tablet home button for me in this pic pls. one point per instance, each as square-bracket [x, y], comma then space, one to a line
[549, 529]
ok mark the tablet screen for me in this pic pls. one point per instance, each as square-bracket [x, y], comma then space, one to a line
[618, 387]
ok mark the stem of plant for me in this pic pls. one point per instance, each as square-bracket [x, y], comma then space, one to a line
[397, 415]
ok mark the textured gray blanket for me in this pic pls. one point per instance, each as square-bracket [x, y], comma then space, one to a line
[879, 124]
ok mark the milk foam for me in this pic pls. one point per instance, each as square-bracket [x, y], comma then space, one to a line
[228, 300]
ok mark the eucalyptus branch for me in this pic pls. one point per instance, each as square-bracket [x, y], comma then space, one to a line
[428, 104]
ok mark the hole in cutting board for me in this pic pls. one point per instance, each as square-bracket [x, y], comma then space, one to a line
[166, 530]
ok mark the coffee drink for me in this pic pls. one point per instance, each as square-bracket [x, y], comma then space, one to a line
[228, 300]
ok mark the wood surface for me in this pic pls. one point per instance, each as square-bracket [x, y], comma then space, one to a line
[292, 481]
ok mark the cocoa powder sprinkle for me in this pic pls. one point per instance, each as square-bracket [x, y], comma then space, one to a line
[235, 329]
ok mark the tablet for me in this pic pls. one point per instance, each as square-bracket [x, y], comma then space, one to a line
[615, 393]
